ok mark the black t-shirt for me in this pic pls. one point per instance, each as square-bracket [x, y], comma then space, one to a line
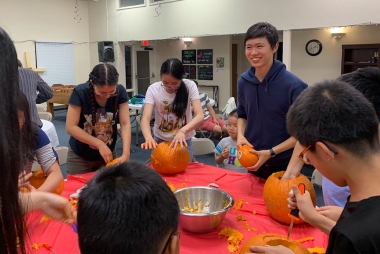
[104, 120]
[358, 228]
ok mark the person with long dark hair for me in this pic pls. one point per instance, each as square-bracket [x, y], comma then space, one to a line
[172, 98]
[36, 146]
[13, 205]
[95, 107]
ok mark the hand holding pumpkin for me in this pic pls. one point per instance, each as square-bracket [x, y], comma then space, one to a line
[263, 155]
[179, 138]
[303, 202]
[242, 141]
[106, 153]
[271, 249]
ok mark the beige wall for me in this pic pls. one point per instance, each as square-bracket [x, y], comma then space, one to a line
[50, 20]
[326, 65]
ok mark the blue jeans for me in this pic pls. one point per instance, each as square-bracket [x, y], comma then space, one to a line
[189, 146]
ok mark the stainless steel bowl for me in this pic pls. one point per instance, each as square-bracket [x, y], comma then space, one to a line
[211, 206]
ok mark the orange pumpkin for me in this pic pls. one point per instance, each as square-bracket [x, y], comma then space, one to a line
[246, 158]
[274, 240]
[169, 161]
[276, 192]
[38, 179]
[112, 162]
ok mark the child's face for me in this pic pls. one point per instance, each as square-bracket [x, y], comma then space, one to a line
[232, 126]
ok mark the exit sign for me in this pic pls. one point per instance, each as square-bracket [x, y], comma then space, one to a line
[145, 43]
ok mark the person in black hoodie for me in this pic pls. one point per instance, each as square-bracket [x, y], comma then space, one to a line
[265, 93]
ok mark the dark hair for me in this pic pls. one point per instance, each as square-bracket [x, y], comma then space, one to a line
[336, 112]
[19, 63]
[196, 82]
[367, 81]
[174, 68]
[12, 225]
[29, 132]
[126, 208]
[262, 29]
[101, 75]
[233, 113]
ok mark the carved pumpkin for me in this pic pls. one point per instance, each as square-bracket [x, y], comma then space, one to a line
[274, 240]
[169, 161]
[276, 192]
[38, 179]
[112, 162]
[246, 158]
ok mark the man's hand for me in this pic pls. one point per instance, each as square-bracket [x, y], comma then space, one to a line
[263, 155]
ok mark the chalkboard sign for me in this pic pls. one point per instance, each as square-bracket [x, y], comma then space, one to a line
[190, 71]
[205, 72]
[204, 56]
[189, 56]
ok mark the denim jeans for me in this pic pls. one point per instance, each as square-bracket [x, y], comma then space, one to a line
[189, 146]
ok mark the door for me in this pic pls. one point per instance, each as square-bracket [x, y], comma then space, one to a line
[234, 72]
[143, 73]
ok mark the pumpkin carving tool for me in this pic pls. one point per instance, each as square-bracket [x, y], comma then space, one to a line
[294, 214]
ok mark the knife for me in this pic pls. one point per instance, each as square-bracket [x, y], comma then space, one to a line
[294, 214]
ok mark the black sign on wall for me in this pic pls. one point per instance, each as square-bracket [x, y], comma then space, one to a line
[191, 71]
[189, 56]
[205, 72]
[204, 56]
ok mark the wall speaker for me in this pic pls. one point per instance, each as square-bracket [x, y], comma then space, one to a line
[105, 50]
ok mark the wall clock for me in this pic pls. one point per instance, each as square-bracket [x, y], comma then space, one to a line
[313, 47]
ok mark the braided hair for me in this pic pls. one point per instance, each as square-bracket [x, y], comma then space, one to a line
[101, 75]
[174, 68]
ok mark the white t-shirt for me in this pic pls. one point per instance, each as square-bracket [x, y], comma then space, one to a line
[166, 123]
[232, 162]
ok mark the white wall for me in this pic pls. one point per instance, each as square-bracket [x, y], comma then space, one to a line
[327, 65]
[219, 17]
[50, 20]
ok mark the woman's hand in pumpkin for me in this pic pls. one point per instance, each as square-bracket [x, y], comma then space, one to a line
[106, 153]
[150, 143]
[180, 138]
[331, 212]
[270, 249]
[263, 155]
[23, 178]
[303, 202]
[54, 206]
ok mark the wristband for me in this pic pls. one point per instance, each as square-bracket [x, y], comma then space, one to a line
[182, 131]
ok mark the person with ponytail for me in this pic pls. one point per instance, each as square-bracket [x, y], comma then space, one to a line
[95, 108]
[172, 98]
[14, 204]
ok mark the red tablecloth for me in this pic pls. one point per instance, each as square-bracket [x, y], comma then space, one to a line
[241, 186]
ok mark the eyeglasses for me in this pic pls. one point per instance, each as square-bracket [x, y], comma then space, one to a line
[167, 243]
[171, 87]
[231, 126]
[105, 95]
[301, 156]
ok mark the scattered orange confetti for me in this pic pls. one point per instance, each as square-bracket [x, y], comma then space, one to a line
[317, 250]
[234, 238]
[183, 184]
[44, 218]
[171, 186]
[238, 204]
[305, 239]
[240, 218]
[74, 202]
[246, 226]
[254, 212]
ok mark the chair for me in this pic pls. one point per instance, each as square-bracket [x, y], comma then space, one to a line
[45, 115]
[202, 146]
[231, 105]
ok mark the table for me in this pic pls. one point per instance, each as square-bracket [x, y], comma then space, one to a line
[138, 108]
[247, 187]
[49, 128]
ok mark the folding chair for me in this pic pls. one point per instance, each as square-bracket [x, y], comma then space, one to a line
[202, 146]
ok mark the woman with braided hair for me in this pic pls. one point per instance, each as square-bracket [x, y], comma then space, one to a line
[94, 109]
[171, 99]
